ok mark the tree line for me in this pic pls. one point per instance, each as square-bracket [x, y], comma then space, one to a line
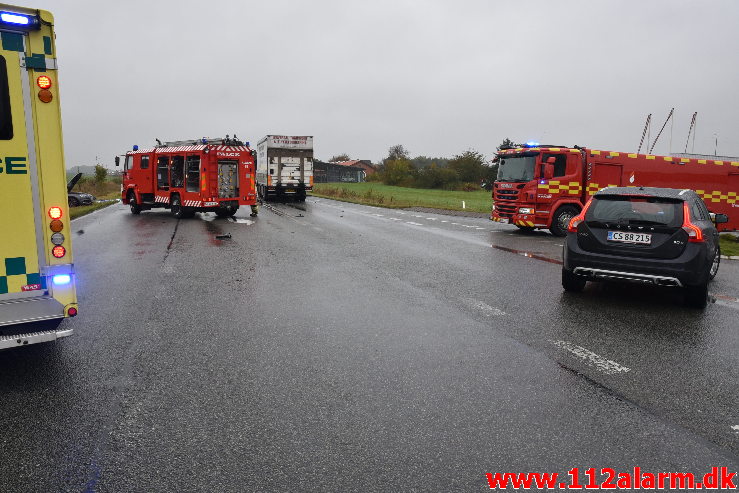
[466, 171]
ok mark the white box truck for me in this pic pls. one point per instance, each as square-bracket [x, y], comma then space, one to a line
[284, 167]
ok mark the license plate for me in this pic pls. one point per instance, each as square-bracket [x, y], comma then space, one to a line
[623, 237]
[290, 190]
[504, 220]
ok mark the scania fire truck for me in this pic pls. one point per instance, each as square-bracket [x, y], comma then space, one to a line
[285, 166]
[37, 277]
[189, 176]
[545, 186]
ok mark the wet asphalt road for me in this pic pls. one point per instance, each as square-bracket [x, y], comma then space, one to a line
[337, 347]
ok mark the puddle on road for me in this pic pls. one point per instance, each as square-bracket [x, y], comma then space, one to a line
[524, 253]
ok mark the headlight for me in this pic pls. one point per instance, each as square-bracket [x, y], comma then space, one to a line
[493, 207]
[525, 210]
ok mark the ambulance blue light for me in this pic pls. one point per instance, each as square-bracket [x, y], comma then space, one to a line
[246, 143]
[20, 20]
[135, 148]
[204, 140]
[61, 279]
[531, 143]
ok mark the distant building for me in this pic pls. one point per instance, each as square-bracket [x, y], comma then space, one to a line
[363, 164]
[347, 171]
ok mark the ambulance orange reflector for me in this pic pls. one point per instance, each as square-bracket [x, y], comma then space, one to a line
[58, 251]
[55, 212]
[56, 225]
[45, 96]
[44, 82]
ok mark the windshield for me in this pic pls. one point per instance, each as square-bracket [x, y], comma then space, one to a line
[635, 210]
[519, 168]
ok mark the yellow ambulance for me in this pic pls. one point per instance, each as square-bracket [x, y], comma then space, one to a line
[37, 278]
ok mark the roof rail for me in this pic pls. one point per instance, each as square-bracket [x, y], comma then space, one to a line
[227, 141]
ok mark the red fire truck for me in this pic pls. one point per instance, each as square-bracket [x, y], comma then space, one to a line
[545, 186]
[206, 175]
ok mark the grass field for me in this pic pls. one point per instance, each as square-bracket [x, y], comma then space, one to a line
[401, 197]
[729, 245]
[75, 212]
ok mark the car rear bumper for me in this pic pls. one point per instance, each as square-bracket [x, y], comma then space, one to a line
[689, 269]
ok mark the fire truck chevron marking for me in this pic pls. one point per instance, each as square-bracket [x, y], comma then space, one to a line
[161, 199]
[718, 196]
[554, 186]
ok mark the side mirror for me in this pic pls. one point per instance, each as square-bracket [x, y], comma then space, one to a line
[117, 161]
[548, 171]
[719, 218]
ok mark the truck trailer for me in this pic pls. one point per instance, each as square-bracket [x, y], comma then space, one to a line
[37, 275]
[284, 167]
[543, 187]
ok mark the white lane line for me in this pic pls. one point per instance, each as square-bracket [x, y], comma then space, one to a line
[418, 216]
[415, 224]
[479, 228]
[456, 224]
[445, 221]
[395, 218]
[607, 366]
[487, 310]
[735, 428]
[431, 218]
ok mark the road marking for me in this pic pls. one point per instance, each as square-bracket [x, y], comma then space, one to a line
[395, 218]
[431, 218]
[415, 224]
[735, 428]
[607, 366]
[417, 216]
[487, 310]
[479, 228]
[445, 221]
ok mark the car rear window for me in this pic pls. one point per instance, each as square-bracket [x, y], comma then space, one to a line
[635, 210]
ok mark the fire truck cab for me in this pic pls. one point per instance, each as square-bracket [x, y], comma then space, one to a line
[206, 175]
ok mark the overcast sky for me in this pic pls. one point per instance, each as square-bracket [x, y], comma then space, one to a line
[438, 77]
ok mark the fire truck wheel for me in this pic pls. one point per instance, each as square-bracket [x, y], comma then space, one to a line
[135, 207]
[562, 218]
[175, 206]
[571, 282]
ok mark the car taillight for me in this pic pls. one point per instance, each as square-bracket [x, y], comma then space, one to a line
[695, 234]
[575, 221]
